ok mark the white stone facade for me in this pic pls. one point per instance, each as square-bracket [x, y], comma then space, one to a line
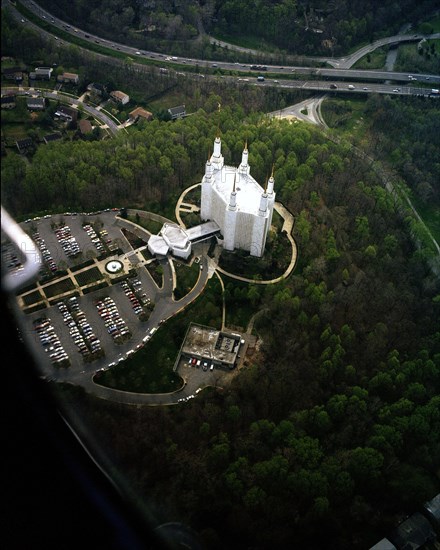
[237, 203]
[171, 238]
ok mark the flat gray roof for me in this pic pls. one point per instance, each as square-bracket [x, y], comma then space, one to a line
[174, 235]
[211, 344]
[201, 231]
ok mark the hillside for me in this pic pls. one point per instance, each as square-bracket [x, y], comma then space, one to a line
[306, 28]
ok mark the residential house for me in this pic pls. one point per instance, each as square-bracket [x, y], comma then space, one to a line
[8, 101]
[96, 88]
[383, 544]
[66, 113]
[413, 533]
[13, 73]
[23, 145]
[431, 511]
[52, 137]
[41, 73]
[68, 78]
[177, 112]
[85, 126]
[36, 103]
[120, 97]
[138, 113]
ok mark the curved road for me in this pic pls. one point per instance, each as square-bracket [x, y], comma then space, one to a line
[341, 65]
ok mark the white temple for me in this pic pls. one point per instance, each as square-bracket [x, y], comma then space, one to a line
[237, 203]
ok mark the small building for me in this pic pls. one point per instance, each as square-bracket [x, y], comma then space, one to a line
[36, 103]
[177, 112]
[413, 533]
[8, 102]
[23, 145]
[138, 113]
[68, 78]
[383, 544]
[171, 238]
[431, 510]
[13, 73]
[41, 73]
[85, 126]
[120, 97]
[52, 137]
[66, 113]
[96, 88]
[215, 347]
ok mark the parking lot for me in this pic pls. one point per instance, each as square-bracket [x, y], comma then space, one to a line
[95, 329]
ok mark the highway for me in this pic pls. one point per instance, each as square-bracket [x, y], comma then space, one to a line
[340, 71]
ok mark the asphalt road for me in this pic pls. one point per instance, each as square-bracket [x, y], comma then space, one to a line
[341, 70]
[80, 373]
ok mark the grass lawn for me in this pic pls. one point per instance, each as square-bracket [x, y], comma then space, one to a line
[186, 278]
[170, 98]
[373, 60]
[344, 114]
[150, 225]
[89, 276]
[32, 298]
[246, 41]
[12, 132]
[59, 287]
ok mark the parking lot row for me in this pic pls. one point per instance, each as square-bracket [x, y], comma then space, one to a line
[68, 242]
[45, 252]
[80, 329]
[50, 342]
[113, 321]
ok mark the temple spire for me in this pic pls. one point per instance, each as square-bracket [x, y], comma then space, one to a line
[271, 183]
[233, 197]
[244, 166]
[218, 125]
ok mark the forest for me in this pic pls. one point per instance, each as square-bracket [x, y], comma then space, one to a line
[294, 26]
[329, 436]
[338, 425]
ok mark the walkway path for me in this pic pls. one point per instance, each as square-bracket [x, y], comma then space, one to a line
[288, 222]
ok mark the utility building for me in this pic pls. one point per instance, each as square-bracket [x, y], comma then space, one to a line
[237, 203]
